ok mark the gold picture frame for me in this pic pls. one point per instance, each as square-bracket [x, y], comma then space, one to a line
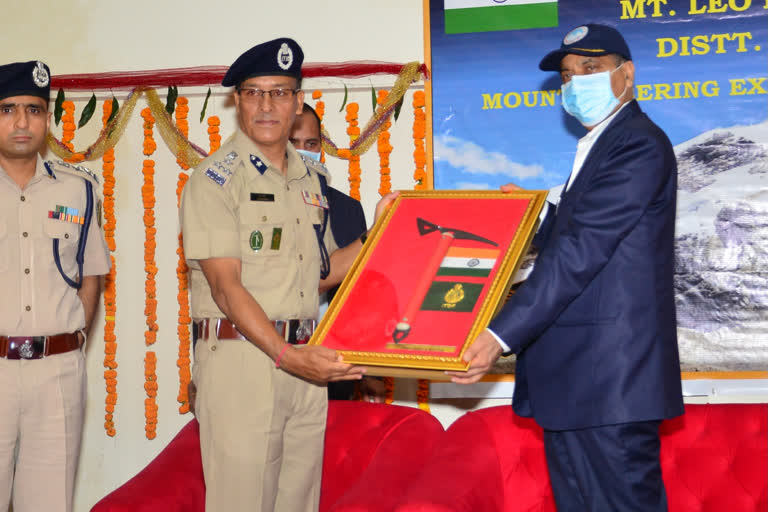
[434, 271]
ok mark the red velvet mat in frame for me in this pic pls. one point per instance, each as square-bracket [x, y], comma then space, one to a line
[429, 279]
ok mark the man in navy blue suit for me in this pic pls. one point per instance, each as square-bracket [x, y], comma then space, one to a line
[594, 327]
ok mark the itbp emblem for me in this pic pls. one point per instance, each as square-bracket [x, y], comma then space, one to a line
[256, 240]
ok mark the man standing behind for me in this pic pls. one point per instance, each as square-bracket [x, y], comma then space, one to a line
[347, 221]
[254, 219]
[594, 326]
[51, 256]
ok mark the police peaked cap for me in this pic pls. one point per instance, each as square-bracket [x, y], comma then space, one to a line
[277, 57]
[589, 39]
[31, 78]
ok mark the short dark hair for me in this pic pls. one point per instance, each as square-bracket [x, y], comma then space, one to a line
[308, 109]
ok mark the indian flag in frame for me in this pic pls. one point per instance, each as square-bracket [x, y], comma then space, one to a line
[465, 261]
[465, 16]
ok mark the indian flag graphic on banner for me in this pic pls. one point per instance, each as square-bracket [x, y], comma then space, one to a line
[463, 261]
[464, 16]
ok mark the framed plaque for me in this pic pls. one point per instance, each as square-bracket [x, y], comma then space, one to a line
[435, 269]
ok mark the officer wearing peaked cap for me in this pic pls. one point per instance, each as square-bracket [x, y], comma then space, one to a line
[52, 255]
[256, 237]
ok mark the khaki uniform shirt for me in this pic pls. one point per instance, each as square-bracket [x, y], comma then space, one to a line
[36, 299]
[237, 205]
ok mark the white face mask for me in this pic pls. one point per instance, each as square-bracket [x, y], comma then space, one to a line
[309, 154]
[589, 98]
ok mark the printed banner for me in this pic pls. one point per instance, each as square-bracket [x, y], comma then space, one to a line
[701, 75]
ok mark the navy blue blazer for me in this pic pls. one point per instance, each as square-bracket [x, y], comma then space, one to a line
[594, 326]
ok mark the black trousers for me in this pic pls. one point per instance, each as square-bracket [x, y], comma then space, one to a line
[611, 468]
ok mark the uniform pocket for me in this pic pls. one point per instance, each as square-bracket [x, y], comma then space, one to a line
[68, 235]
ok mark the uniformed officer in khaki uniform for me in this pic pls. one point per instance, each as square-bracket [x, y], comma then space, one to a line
[256, 236]
[52, 253]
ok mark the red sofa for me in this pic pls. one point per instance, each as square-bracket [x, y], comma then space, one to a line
[714, 459]
[371, 450]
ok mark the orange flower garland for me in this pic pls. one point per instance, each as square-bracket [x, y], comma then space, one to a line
[110, 293]
[214, 138]
[150, 286]
[385, 149]
[68, 130]
[183, 362]
[419, 134]
[320, 111]
[389, 389]
[68, 124]
[354, 160]
[422, 394]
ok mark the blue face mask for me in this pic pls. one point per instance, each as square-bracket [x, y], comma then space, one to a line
[309, 154]
[589, 98]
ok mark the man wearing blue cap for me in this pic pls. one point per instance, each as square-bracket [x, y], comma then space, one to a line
[52, 255]
[256, 233]
[594, 327]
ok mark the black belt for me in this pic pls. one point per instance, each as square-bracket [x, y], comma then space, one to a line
[295, 332]
[37, 347]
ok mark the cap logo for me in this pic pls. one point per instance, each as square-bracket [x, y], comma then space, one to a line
[576, 35]
[285, 57]
[40, 75]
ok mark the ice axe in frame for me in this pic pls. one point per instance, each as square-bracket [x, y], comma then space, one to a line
[447, 236]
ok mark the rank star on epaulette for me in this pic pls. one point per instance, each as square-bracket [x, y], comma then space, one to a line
[259, 164]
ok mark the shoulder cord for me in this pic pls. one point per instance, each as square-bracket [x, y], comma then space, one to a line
[325, 260]
[79, 258]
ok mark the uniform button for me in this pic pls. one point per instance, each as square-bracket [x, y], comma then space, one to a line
[213, 348]
[298, 221]
[66, 235]
[28, 308]
[23, 198]
[25, 234]
[26, 271]
[264, 219]
[301, 257]
[287, 187]
[301, 294]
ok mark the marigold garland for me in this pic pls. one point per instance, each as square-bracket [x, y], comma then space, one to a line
[422, 394]
[150, 286]
[110, 292]
[68, 127]
[214, 139]
[150, 386]
[182, 297]
[419, 134]
[320, 111]
[191, 154]
[389, 389]
[354, 160]
[384, 148]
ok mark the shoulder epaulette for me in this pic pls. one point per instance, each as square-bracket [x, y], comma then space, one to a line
[221, 170]
[316, 166]
[55, 166]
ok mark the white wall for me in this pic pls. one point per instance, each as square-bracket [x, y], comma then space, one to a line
[93, 36]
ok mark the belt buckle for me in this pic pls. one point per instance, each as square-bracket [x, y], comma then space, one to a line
[32, 347]
[303, 331]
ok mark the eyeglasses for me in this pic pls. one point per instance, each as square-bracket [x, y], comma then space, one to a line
[277, 95]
